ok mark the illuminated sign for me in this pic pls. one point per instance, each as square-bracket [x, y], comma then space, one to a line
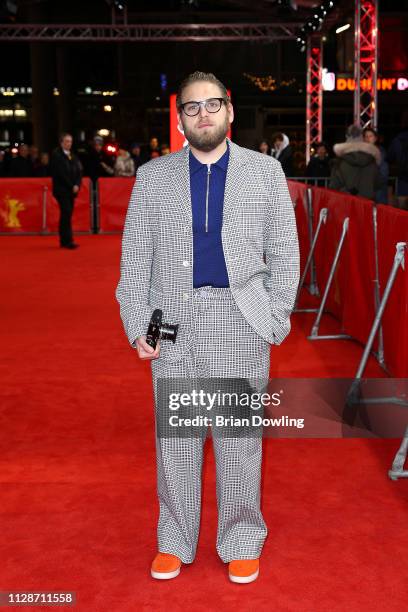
[331, 82]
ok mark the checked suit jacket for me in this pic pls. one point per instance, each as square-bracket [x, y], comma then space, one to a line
[259, 238]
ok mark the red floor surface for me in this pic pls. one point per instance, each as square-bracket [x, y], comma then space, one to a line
[78, 502]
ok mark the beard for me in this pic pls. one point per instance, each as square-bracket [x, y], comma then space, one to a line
[207, 140]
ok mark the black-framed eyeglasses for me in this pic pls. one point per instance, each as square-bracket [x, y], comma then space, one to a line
[192, 108]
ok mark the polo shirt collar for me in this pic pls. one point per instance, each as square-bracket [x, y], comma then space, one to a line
[221, 163]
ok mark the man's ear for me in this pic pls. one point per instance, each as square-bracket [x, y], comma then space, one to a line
[180, 125]
[230, 112]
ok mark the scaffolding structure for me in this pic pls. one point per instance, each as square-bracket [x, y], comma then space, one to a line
[314, 92]
[366, 63]
[177, 32]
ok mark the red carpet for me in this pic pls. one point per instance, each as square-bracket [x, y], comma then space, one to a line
[79, 510]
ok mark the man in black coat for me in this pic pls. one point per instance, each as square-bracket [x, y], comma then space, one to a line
[66, 172]
[319, 164]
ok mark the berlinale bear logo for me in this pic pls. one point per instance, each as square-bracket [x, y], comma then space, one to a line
[10, 212]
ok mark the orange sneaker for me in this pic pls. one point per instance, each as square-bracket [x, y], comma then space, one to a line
[165, 566]
[243, 570]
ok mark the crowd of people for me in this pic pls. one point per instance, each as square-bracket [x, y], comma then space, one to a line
[24, 161]
[97, 160]
[360, 165]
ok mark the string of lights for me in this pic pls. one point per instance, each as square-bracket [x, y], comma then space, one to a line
[315, 22]
[268, 83]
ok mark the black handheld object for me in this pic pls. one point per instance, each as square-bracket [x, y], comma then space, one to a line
[159, 330]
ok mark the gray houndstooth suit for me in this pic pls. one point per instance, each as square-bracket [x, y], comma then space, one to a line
[223, 332]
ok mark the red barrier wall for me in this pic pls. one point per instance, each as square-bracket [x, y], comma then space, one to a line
[114, 196]
[81, 219]
[21, 206]
[21, 203]
[393, 228]
[298, 194]
[351, 298]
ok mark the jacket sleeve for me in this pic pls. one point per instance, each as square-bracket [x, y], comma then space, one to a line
[58, 172]
[133, 288]
[336, 177]
[281, 255]
[79, 172]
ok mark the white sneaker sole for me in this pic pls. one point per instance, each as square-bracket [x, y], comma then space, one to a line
[165, 575]
[244, 579]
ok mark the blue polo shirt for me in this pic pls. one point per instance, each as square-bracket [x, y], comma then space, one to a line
[208, 261]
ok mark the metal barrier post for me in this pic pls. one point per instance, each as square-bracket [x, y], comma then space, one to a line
[377, 296]
[96, 211]
[399, 260]
[44, 210]
[354, 392]
[313, 288]
[397, 470]
[315, 328]
[322, 219]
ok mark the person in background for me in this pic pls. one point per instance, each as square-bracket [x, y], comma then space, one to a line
[282, 151]
[2, 163]
[319, 164]
[356, 168]
[21, 165]
[381, 195]
[34, 153]
[124, 165]
[264, 147]
[154, 146]
[66, 175]
[96, 162]
[165, 149]
[398, 155]
[135, 152]
[44, 167]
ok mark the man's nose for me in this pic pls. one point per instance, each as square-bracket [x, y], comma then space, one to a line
[203, 111]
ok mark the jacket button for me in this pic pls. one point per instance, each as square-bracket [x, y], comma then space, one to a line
[186, 263]
[185, 296]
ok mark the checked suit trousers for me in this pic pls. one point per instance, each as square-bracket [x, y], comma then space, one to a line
[224, 346]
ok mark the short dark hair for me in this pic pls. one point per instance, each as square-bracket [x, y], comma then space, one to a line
[277, 136]
[63, 134]
[354, 132]
[198, 76]
[320, 144]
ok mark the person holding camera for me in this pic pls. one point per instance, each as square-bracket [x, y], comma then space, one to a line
[210, 239]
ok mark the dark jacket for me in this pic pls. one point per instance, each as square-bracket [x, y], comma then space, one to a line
[21, 167]
[286, 160]
[318, 168]
[65, 172]
[356, 168]
[94, 162]
[398, 154]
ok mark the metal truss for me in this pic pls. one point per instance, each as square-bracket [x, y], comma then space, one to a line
[314, 93]
[146, 32]
[366, 63]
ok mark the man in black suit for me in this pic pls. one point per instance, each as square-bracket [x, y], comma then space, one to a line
[66, 172]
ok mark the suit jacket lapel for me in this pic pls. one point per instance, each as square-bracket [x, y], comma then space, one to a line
[181, 182]
[181, 179]
[235, 177]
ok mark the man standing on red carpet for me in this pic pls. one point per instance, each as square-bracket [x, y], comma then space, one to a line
[66, 172]
[210, 239]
